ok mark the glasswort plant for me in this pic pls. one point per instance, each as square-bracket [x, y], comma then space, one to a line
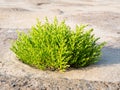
[55, 46]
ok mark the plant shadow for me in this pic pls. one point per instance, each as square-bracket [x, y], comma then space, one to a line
[110, 56]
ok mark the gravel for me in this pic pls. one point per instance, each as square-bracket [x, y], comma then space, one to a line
[26, 83]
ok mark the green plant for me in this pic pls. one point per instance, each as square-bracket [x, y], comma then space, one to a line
[55, 46]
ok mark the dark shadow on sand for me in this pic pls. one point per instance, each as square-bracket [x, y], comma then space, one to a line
[109, 56]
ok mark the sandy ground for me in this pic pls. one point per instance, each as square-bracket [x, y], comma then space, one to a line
[103, 16]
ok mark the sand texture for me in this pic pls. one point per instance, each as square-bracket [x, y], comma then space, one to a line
[103, 16]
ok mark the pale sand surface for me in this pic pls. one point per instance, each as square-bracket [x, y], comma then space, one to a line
[102, 15]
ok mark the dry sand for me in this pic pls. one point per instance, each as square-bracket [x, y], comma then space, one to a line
[103, 16]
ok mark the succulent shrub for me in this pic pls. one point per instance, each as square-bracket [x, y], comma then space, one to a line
[55, 46]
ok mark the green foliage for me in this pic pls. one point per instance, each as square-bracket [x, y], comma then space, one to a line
[55, 46]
